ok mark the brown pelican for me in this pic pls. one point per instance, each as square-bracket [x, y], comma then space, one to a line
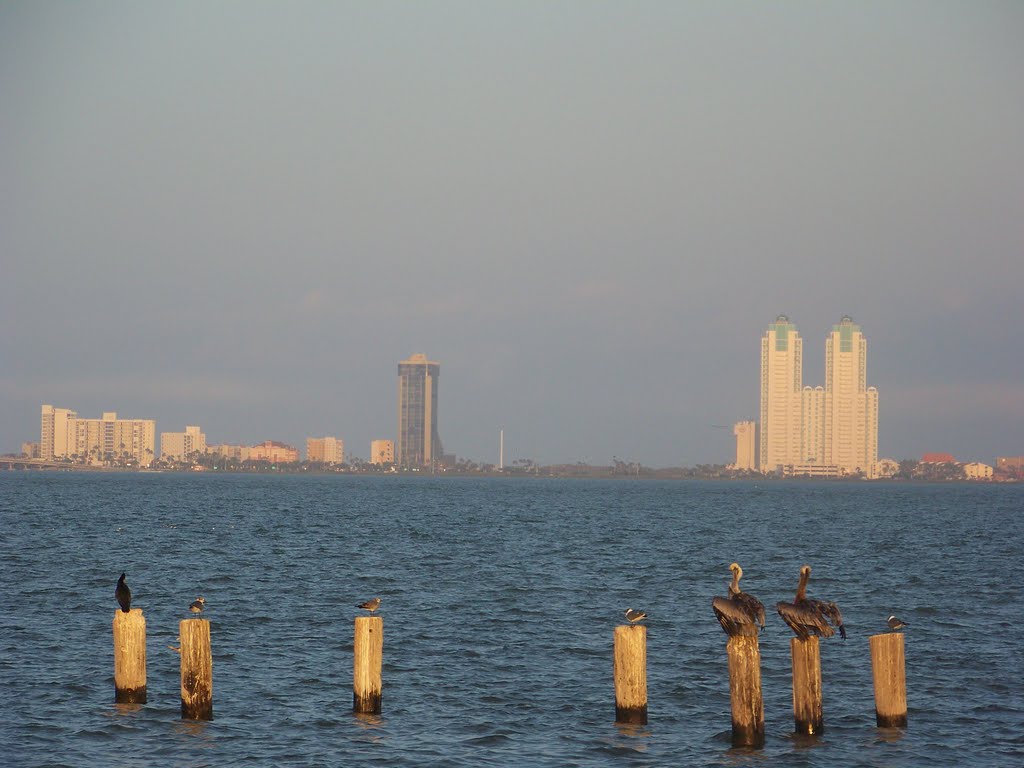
[896, 624]
[634, 616]
[123, 595]
[739, 613]
[370, 605]
[807, 616]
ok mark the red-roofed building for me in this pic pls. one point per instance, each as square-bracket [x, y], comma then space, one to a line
[937, 458]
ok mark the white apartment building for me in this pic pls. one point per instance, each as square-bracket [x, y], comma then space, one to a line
[812, 427]
[382, 452]
[746, 445]
[329, 450]
[978, 471]
[95, 441]
[179, 446]
[781, 396]
[851, 407]
[54, 432]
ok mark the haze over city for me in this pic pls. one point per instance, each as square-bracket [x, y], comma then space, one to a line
[242, 215]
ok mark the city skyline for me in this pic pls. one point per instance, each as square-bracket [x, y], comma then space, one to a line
[241, 215]
[829, 430]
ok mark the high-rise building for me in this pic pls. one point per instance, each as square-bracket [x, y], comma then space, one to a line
[180, 446]
[418, 444]
[54, 432]
[95, 441]
[781, 396]
[329, 450]
[382, 452]
[812, 426]
[746, 445]
[851, 407]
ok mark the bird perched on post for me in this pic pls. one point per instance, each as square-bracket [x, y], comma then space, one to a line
[739, 614]
[198, 604]
[123, 595]
[896, 624]
[370, 605]
[806, 616]
[634, 616]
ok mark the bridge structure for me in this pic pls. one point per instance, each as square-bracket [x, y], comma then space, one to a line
[20, 463]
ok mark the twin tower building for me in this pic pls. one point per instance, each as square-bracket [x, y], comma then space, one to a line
[829, 431]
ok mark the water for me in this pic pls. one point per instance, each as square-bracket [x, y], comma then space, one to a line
[499, 601]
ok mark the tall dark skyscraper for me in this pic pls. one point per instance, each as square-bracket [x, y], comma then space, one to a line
[418, 443]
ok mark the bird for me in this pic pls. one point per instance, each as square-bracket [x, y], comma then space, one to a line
[370, 605]
[740, 614]
[198, 604]
[634, 616]
[806, 616]
[896, 624]
[123, 595]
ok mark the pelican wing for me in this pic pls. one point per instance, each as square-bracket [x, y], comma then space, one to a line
[804, 619]
[830, 612]
[734, 617]
[753, 607]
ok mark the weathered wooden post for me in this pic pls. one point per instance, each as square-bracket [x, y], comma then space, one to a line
[888, 667]
[807, 711]
[129, 657]
[196, 670]
[368, 657]
[631, 674]
[745, 691]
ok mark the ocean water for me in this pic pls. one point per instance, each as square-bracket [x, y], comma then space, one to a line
[500, 597]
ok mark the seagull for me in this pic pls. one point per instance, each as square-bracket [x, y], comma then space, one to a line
[896, 624]
[634, 616]
[370, 605]
[198, 605]
[123, 595]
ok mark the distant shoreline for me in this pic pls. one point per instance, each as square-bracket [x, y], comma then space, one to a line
[583, 473]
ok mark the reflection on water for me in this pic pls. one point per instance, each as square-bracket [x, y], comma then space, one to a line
[889, 735]
[372, 727]
[630, 737]
[121, 710]
[745, 756]
[195, 733]
[807, 740]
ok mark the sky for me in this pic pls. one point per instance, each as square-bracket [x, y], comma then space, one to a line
[241, 215]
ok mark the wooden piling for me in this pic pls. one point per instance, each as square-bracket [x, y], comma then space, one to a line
[888, 668]
[368, 658]
[631, 674]
[807, 711]
[196, 670]
[129, 657]
[745, 691]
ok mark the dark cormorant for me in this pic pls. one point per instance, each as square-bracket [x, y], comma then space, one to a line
[739, 614]
[123, 595]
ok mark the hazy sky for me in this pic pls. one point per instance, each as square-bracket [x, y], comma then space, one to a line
[242, 215]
